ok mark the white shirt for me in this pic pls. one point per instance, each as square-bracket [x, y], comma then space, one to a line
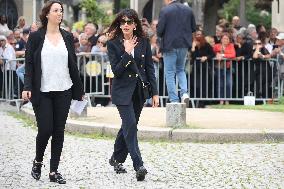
[9, 53]
[54, 65]
[4, 30]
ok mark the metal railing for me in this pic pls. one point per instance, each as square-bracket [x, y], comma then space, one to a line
[227, 79]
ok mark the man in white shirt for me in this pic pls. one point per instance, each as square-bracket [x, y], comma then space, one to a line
[7, 53]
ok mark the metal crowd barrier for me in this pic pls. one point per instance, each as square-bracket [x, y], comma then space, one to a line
[229, 80]
[259, 77]
[10, 86]
[95, 73]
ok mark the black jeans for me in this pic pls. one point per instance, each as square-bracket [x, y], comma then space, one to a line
[51, 115]
[126, 140]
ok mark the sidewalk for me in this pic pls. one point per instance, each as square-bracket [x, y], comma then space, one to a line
[204, 125]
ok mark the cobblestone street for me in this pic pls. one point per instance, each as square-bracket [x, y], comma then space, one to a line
[84, 163]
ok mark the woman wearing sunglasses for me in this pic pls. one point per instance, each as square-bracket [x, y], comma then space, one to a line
[130, 57]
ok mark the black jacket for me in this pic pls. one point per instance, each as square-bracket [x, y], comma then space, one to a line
[125, 73]
[175, 27]
[33, 65]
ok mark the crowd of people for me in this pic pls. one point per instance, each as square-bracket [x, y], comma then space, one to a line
[231, 41]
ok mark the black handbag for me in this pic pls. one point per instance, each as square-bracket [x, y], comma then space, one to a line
[145, 87]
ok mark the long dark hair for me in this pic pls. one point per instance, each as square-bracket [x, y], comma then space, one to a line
[115, 30]
[45, 10]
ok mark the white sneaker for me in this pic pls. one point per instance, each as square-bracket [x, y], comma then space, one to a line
[185, 98]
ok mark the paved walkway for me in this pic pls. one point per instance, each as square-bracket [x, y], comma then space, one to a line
[84, 163]
[197, 118]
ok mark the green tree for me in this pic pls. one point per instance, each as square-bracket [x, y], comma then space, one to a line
[94, 12]
[253, 14]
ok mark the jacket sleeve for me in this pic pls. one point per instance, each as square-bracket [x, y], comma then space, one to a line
[118, 63]
[149, 67]
[29, 54]
[161, 24]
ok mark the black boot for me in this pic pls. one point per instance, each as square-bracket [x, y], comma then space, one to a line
[118, 167]
[36, 170]
[140, 173]
[57, 177]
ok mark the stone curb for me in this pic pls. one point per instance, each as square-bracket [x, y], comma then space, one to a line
[176, 135]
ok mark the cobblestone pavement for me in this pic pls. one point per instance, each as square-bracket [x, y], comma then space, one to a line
[84, 163]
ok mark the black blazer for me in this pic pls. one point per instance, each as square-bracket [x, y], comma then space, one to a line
[125, 75]
[33, 65]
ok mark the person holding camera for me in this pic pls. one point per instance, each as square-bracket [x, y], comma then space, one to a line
[131, 62]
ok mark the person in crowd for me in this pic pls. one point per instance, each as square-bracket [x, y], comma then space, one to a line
[100, 48]
[34, 26]
[243, 54]
[236, 23]
[272, 37]
[218, 34]
[262, 72]
[278, 53]
[154, 24]
[8, 53]
[90, 30]
[210, 40]
[3, 25]
[85, 46]
[251, 34]
[131, 62]
[176, 40]
[51, 81]
[21, 23]
[262, 36]
[223, 77]
[202, 54]
[260, 28]
[17, 34]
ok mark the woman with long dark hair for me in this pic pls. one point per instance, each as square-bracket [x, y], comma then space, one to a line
[51, 81]
[131, 62]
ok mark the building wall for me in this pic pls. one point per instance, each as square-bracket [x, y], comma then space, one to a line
[277, 17]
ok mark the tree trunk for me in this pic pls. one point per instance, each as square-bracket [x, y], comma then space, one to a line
[210, 16]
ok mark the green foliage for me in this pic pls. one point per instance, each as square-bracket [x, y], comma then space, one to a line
[281, 100]
[95, 13]
[78, 26]
[253, 14]
[125, 4]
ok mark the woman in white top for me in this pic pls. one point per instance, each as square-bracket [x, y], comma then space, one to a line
[51, 81]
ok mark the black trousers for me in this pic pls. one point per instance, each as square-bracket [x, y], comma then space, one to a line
[51, 115]
[126, 140]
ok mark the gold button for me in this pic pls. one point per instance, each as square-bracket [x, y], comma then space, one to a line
[141, 65]
[129, 75]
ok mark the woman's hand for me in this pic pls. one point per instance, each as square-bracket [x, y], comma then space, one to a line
[155, 101]
[26, 95]
[130, 44]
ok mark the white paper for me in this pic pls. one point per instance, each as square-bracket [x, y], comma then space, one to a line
[78, 106]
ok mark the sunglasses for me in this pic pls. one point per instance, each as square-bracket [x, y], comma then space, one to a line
[257, 43]
[128, 22]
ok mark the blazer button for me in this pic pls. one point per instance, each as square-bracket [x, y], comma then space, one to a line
[129, 75]
[144, 70]
[141, 66]
[136, 75]
[142, 55]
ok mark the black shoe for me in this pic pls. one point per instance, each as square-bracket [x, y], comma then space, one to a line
[118, 167]
[36, 170]
[57, 177]
[140, 173]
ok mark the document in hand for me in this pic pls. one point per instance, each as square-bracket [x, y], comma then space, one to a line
[78, 106]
